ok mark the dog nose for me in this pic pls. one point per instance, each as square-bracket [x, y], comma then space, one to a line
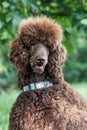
[40, 60]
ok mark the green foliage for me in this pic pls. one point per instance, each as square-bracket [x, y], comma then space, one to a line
[76, 66]
[72, 15]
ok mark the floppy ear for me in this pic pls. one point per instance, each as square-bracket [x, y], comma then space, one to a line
[19, 56]
[56, 61]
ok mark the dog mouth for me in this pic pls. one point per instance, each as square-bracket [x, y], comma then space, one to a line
[38, 69]
[38, 65]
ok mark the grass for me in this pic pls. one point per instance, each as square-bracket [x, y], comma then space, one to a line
[81, 88]
[8, 98]
[6, 101]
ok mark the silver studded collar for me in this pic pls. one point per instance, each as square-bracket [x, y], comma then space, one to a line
[33, 86]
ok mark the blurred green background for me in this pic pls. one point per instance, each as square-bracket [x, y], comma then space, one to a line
[72, 15]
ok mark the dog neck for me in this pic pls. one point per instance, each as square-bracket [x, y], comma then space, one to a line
[39, 85]
[24, 80]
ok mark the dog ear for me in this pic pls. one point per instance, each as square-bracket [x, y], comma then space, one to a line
[19, 56]
[56, 61]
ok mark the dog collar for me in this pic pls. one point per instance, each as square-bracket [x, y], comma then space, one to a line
[33, 86]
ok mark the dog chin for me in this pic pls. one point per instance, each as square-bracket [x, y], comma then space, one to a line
[38, 69]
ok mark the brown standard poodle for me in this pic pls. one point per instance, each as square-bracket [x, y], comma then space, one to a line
[47, 102]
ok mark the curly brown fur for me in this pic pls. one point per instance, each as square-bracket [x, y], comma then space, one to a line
[38, 56]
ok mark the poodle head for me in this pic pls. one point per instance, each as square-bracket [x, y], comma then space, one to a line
[38, 48]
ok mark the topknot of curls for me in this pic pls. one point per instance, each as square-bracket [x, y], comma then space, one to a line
[40, 30]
